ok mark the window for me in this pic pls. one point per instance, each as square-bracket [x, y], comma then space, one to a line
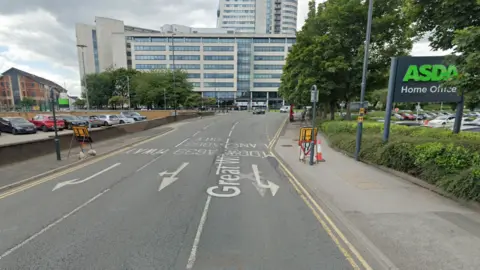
[193, 40]
[218, 57]
[141, 39]
[239, 6]
[290, 23]
[267, 76]
[218, 48]
[218, 84]
[268, 48]
[185, 66]
[195, 84]
[261, 40]
[159, 39]
[213, 66]
[219, 94]
[269, 58]
[193, 75]
[150, 57]
[210, 40]
[227, 40]
[266, 84]
[290, 6]
[267, 67]
[291, 40]
[149, 48]
[185, 48]
[277, 40]
[218, 75]
[150, 66]
[185, 57]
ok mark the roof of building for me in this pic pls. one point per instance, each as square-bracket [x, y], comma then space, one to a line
[36, 78]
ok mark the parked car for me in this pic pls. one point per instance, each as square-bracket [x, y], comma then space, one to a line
[258, 111]
[93, 120]
[45, 122]
[72, 121]
[109, 119]
[125, 120]
[16, 125]
[135, 115]
[441, 121]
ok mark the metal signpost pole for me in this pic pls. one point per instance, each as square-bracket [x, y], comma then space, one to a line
[314, 99]
[173, 72]
[56, 140]
[364, 79]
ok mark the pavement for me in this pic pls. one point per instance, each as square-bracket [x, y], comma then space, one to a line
[206, 195]
[396, 224]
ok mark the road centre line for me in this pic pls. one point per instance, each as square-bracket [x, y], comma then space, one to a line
[148, 163]
[196, 241]
[182, 142]
[318, 212]
[77, 167]
[51, 225]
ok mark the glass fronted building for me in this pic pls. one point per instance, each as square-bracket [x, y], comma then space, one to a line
[235, 68]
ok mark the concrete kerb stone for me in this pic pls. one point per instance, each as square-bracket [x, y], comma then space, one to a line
[87, 158]
[406, 177]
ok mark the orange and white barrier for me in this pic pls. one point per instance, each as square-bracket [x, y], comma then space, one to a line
[319, 156]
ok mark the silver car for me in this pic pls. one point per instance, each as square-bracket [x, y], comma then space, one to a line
[109, 119]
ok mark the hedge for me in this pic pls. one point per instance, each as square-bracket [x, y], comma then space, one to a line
[450, 161]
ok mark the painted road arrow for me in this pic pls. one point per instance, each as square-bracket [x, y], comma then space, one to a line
[172, 176]
[76, 181]
[262, 187]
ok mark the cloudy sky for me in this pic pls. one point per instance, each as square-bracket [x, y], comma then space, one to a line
[38, 35]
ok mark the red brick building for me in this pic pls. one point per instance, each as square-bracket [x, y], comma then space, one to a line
[16, 84]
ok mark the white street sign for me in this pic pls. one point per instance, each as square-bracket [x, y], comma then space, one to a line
[76, 181]
[342, 104]
[262, 187]
[313, 96]
[172, 176]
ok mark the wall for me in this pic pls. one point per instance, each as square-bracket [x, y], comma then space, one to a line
[148, 114]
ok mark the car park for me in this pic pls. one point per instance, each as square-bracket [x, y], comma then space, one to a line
[125, 120]
[135, 115]
[16, 125]
[109, 119]
[93, 120]
[45, 122]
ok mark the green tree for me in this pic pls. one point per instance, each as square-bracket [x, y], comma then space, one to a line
[100, 89]
[80, 103]
[27, 102]
[116, 101]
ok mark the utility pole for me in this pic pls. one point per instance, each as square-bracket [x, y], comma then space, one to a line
[173, 74]
[364, 81]
[53, 97]
[314, 100]
[128, 92]
[82, 47]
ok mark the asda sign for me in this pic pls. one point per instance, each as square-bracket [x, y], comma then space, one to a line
[419, 79]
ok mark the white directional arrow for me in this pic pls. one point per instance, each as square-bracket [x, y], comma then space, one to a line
[76, 181]
[171, 178]
[259, 185]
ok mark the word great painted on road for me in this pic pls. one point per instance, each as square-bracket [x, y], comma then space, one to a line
[228, 185]
[146, 151]
[421, 79]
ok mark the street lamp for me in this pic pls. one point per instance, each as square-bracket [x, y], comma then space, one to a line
[173, 74]
[82, 47]
[53, 98]
[364, 80]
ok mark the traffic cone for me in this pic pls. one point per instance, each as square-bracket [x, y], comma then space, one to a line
[319, 155]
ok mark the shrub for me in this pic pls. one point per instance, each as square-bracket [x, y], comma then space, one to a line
[450, 161]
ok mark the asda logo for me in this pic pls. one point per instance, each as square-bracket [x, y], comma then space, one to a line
[430, 73]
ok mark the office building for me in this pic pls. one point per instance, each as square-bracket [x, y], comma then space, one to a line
[241, 68]
[258, 16]
[16, 84]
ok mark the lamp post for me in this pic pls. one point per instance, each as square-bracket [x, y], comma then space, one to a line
[173, 74]
[53, 97]
[82, 47]
[364, 80]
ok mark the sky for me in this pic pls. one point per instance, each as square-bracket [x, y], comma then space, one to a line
[38, 36]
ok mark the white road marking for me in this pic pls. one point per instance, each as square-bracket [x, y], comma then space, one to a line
[172, 178]
[75, 181]
[195, 134]
[230, 133]
[150, 162]
[258, 184]
[193, 253]
[182, 142]
[51, 225]
[220, 161]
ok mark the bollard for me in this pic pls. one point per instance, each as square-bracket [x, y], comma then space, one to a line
[319, 155]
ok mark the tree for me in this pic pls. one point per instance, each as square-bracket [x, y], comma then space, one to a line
[80, 103]
[116, 101]
[330, 47]
[27, 102]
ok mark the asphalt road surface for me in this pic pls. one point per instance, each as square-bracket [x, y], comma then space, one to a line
[205, 196]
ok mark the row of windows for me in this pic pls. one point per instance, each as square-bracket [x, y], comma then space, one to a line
[196, 84]
[239, 11]
[267, 76]
[239, 17]
[290, 23]
[290, 6]
[207, 40]
[289, 29]
[291, 1]
[218, 57]
[186, 57]
[150, 66]
[266, 84]
[205, 66]
[218, 75]
[187, 48]
[150, 57]
[238, 22]
[243, 0]
[240, 5]
[268, 67]
[218, 84]
[269, 57]
[218, 48]
[289, 12]
[289, 17]
[268, 49]
[185, 66]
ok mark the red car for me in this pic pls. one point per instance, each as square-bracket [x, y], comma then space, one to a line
[45, 122]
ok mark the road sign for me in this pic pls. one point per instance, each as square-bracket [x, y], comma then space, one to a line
[306, 134]
[81, 134]
[314, 95]
[342, 104]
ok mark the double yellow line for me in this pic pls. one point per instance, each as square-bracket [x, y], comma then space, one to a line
[75, 168]
[346, 248]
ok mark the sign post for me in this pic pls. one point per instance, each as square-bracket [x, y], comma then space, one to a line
[53, 98]
[419, 79]
[314, 100]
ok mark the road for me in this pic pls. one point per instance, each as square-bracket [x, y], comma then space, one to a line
[207, 195]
